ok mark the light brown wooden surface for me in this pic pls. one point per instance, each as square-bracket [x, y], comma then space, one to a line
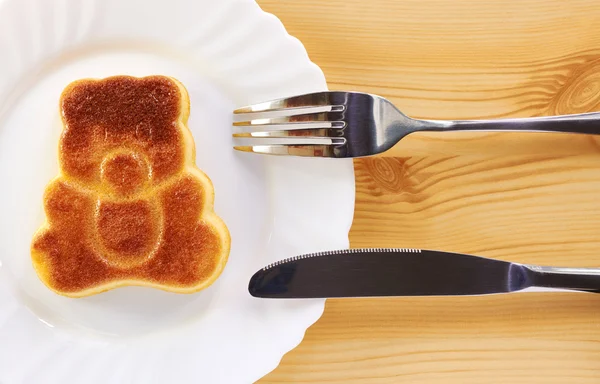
[531, 198]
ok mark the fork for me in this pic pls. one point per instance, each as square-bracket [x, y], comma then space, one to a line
[354, 124]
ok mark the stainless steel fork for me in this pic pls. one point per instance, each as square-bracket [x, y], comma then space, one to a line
[354, 124]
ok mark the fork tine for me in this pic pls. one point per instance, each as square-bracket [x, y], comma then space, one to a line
[322, 116]
[253, 128]
[307, 146]
[306, 100]
[286, 112]
[285, 124]
[296, 105]
[246, 141]
[297, 133]
[288, 150]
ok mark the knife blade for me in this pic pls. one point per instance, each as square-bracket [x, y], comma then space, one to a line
[408, 272]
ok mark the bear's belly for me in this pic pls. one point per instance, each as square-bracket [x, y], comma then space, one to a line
[128, 232]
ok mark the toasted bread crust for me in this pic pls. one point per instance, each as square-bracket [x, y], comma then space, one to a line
[129, 206]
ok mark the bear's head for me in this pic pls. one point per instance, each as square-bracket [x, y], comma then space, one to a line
[122, 134]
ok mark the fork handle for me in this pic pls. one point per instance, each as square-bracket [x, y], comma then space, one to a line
[587, 123]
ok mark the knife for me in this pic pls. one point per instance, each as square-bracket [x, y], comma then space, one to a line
[409, 272]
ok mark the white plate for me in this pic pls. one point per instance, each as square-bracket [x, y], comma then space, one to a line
[227, 53]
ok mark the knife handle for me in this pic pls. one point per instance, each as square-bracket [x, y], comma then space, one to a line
[576, 279]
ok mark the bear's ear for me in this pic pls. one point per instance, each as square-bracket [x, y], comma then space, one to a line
[76, 101]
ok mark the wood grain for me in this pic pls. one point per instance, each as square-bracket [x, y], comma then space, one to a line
[522, 197]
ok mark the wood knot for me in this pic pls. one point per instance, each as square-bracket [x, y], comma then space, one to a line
[389, 173]
[581, 91]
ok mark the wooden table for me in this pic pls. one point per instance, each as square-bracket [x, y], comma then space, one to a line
[532, 198]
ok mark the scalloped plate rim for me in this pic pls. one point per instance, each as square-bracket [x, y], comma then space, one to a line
[313, 313]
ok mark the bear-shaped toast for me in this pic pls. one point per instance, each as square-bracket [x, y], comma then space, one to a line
[129, 206]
